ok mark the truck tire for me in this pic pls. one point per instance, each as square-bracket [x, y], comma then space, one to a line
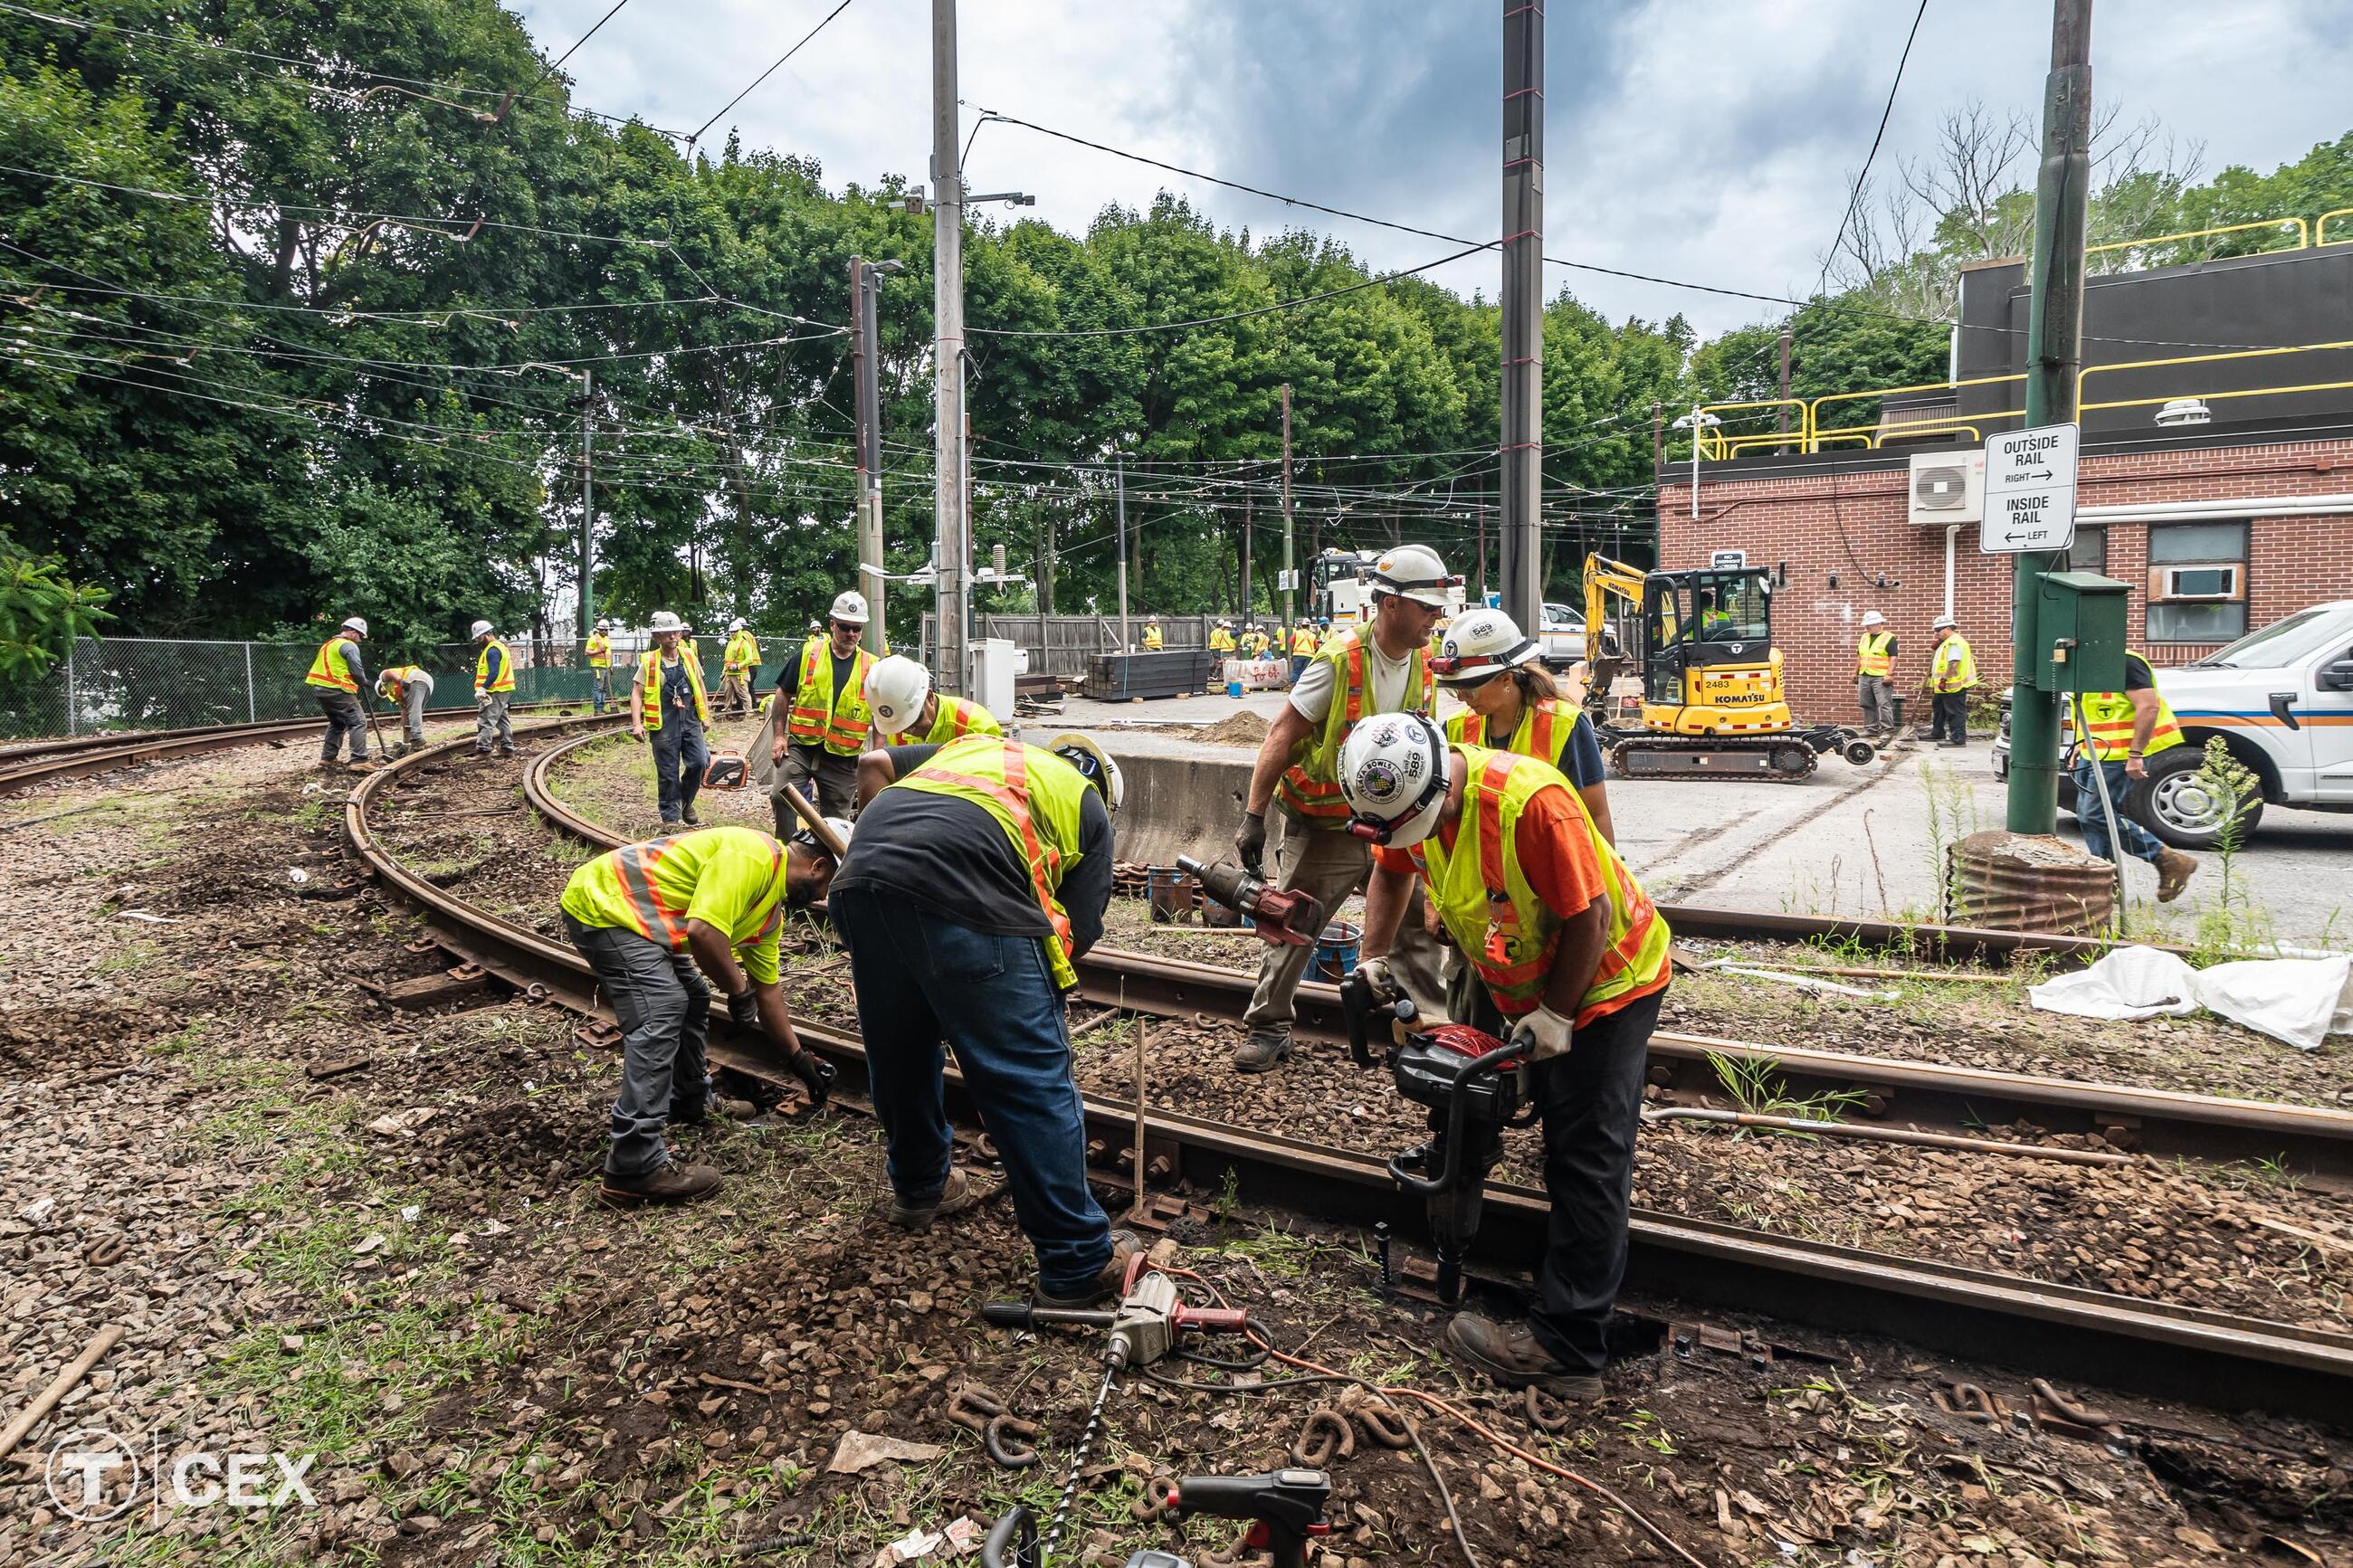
[2174, 802]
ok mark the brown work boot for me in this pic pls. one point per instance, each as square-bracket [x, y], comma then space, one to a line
[2173, 873]
[363, 766]
[1109, 1280]
[690, 817]
[1263, 1052]
[665, 1184]
[956, 1196]
[1511, 1357]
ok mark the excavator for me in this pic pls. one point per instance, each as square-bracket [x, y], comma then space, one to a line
[1701, 695]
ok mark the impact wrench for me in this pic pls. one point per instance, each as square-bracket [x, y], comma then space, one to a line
[1281, 917]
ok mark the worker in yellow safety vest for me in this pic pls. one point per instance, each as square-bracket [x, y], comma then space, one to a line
[1875, 673]
[598, 648]
[816, 731]
[494, 684]
[1952, 672]
[670, 706]
[653, 920]
[906, 711]
[739, 663]
[1568, 961]
[981, 869]
[1152, 640]
[408, 688]
[336, 678]
[1221, 637]
[1513, 704]
[1255, 642]
[2123, 730]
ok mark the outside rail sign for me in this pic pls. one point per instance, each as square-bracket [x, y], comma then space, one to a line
[2029, 491]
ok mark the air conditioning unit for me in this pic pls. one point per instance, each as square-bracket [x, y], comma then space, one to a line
[1946, 487]
[2197, 582]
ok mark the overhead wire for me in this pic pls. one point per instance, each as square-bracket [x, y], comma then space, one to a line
[696, 135]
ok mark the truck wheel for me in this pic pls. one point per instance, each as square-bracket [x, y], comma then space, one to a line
[1859, 753]
[2177, 803]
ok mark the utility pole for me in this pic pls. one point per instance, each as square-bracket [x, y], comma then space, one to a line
[1522, 299]
[1782, 414]
[1483, 555]
[1290, 565]
[587, 505]
[2054, 329]
[1247, 596]
[947, 350]
[1119, 485]
[865, 285]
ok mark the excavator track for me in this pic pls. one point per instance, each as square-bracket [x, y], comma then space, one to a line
[1771, 758]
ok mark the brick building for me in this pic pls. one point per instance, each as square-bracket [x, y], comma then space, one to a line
[2236, 510]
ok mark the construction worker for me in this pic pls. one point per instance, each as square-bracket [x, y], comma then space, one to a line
[1362, 671]
[647, 917]
[408, 688]
[600, 649]
[907, 713]
[1875, 673]
[669, 706]
[1253, 643]
[2125, 729]
[1513, 704]
[1152, 641]
[814, 744]
[1952, 671]
[1567, 959]
[1221, 637]
[494, 684]
[980, 871]
[741, 662]
[335, 678]
[1302, 648]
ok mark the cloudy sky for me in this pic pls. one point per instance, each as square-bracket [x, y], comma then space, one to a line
[1700, 141]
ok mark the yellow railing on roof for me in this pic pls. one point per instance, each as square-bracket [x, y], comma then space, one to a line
[2303, 234]
[2320, 227]
[1712, 445]
[2090, 370]
[1820, 431]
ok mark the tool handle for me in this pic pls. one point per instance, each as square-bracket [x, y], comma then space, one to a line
[1213, 1320]
[1022, 1315]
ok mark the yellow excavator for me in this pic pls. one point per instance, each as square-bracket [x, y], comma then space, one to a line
[1703, 695]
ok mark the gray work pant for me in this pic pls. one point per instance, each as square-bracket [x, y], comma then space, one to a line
[1330, 866]
[343, 718]
[665, 1013]
[828, 780]
[1876, 694]
[490, 719]
[414, 696]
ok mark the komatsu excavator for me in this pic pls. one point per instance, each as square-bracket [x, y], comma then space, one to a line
[1701, 692]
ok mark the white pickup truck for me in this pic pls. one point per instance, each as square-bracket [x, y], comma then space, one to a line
[2281, 698]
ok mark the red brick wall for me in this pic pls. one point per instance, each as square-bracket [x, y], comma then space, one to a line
[1852, 526]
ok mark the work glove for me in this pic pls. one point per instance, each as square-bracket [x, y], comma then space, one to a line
[744, 1009]
[1249, 844]
[1543, 1034]
[1380, 979]
[816, 1074]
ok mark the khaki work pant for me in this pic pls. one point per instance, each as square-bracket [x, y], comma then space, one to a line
[1329, 867]
[735, 692]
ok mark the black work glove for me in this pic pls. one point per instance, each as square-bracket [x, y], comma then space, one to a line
[744, 1009]
[1250, 843]
[815, 1073]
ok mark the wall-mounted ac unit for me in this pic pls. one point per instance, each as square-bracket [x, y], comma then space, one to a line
[2197, 582]
[1946, 487]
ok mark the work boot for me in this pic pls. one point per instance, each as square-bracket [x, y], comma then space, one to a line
[1107, 1284]
[691, 817]
[1511, 1357]
[958, 1194]
[361, 765]
[666, 1184]
[1263, 1051]
[2173, 872]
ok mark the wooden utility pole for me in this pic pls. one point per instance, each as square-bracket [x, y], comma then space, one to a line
[948, 352]
[1289, 562]
[865, 283]
[1781, 414]
[1523, 301]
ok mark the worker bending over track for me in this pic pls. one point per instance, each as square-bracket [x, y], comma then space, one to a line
[1566, 957]
[813, 744]
[648, 917]
[1515, 705]
[981, 869]
[408, 688]
[905, 711]
[336, 678]
[669, 706]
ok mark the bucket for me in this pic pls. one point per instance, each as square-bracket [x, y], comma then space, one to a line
[1214, 913]
[1171, 892]
[1233, 689]
[1336, 952]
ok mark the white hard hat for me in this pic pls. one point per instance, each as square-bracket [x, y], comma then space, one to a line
[850, 608]
[895, 689]
[355, 624]
[738, 624]
[1413, 571]
[603, 624]
[1094, 763]
[664, 621]
[1873, 618]
[1393, 774]
[1478, 647]
[1941, 622]
[481, 629]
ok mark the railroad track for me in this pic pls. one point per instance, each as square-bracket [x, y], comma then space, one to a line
[2203, 1357]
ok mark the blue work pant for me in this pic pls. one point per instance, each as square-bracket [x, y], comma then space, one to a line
[600, 684]
[2139, 841]
[680, 755]
[664, 1007]
[345, 721]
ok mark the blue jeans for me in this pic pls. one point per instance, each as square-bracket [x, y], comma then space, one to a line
[921, 977]
[664, 1007]
[2139, 841]
[599, 681]
[680, 756]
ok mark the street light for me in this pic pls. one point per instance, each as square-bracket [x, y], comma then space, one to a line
[1696, 421]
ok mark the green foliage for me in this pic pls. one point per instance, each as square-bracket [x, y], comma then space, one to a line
[40, 613]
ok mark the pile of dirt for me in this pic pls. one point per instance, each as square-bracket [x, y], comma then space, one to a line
[1243, 729]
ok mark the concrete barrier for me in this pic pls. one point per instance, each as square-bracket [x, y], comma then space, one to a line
[1178, 804]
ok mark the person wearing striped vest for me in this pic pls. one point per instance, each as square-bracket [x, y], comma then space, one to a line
[669, 708]
[1567, 959]
[1952, 674]
[598, 646]
[654, 919]
[408, 688]
[336, 678]
[1875, 673]
[1353, 675]
[2125, 729]
[814, 743]
[1513, 704]
[906, 711]
[494, 684]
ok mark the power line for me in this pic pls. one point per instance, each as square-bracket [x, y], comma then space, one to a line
[1854, 197]
[557, 63]
[1232, 316]
[764, 75]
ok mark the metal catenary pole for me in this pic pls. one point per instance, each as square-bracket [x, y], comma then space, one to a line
[1290, 559]
[864, 284]
[1523, 302]
[2053, 356]
[250, 716]
[587, 505]
[1119, 488]
[947, 353]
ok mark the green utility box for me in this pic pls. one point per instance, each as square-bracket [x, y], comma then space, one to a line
[2081, 619]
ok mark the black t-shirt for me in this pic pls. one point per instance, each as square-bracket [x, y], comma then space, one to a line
[951, 857]
[2138, 677]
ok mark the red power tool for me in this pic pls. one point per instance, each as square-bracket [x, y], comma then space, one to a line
[1284, 918]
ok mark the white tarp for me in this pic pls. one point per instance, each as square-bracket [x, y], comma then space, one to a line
[2295, 1000]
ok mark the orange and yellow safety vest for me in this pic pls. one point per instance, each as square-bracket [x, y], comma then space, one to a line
[1542, 732]
[328, 668]
[1303, 639]
[1954, 667]
[821, 716]
[1310, 784]
[600, 650]
[955, 718]
[649, 677]
[1036, 797]
[2109, 716]
[1873, 654]
[743, 652]
[483, 679]
[729, 878]
[397, 679]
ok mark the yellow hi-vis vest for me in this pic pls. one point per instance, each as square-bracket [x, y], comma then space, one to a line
[398, 677]
[820, 715]
[505, 680]
[600, 649]
[1221, 640]
[955, 720]
[329, 668]
[1872, 654]
[1151, 636]
[1310, 784]
[1036, 797]
[730, 878]
[649, 675]
[1496, 918]
[1543, 732]
[2109, 716]
[743, 652]
[1303, 639]
[1955, 667]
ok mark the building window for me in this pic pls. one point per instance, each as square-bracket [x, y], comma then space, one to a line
[2090, 550]
[2197, 582]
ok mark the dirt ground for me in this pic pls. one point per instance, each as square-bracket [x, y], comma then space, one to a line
[332, 1227]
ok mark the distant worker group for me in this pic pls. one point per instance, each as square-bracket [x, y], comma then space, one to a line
[1952, 675]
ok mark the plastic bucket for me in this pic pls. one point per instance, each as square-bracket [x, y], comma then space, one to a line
[1233, 689]
[1171, 892]
[1336, 952]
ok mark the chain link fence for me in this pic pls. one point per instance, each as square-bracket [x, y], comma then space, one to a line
[1066, 646]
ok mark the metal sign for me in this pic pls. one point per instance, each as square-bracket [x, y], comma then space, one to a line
[2029, 491]
[1727, 559]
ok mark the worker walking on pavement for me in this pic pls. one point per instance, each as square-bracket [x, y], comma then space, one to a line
[648, 917]
[336, 678]
[2125, 729]
[814, 744]
[1360, 672]
[1515, 705]
[980, 871]
[408, 688]
[906, 711]
[741, 663]
[1874, 674]
[600, 649]
[1567, 959]
[670, 706]
[494, 684]
[1152, 641]
[1952, 673]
